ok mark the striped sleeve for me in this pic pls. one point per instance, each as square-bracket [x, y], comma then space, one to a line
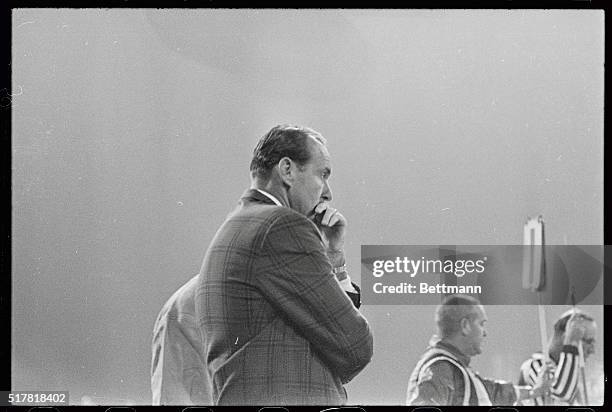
[566, 375]
[529, 372]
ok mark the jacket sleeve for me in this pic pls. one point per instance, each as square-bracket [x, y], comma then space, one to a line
[295, 276]
[355, 296]
[437, 384]
[500, 392]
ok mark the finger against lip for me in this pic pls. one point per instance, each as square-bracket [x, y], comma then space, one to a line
[333, 220]
[329, 213]
[320, 207]
[325, 217]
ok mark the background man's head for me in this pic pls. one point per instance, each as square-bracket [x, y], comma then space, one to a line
[295, 161]
[461, 321]
[583, 329]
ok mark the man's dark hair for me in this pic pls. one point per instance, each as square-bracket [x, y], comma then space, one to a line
[282, 141]
[451, 311]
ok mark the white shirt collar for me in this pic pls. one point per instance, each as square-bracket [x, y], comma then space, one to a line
[268, 195]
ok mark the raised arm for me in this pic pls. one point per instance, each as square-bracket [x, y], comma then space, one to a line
[296, 278]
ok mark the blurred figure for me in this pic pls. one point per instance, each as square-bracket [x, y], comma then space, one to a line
[274, 301]
[571, 328]
[443, 376]
[178, 372]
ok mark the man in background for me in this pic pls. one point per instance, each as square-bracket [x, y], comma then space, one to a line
[443, 375]
[571, 329]
[178, 372]
[276, 307]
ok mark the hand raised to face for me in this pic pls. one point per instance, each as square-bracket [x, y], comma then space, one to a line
[332, 225]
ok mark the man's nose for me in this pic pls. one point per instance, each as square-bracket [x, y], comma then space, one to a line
[327, 193]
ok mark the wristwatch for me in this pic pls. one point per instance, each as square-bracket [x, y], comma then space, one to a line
[339, 269]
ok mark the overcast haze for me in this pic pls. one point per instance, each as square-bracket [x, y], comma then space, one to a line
[133, 132]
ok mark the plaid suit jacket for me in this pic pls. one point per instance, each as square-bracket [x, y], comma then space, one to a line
[276, 325]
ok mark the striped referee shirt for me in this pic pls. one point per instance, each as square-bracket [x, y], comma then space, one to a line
[565, 378]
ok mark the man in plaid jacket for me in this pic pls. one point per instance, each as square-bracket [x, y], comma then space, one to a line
[275, 305]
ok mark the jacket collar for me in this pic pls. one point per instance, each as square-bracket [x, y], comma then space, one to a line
[439, 343]
[254, 195]
[270, 196]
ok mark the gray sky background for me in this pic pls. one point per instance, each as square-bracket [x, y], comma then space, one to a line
[133, 131]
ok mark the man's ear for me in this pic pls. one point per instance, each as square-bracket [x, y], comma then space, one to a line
[466, 326]
[286, 170]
